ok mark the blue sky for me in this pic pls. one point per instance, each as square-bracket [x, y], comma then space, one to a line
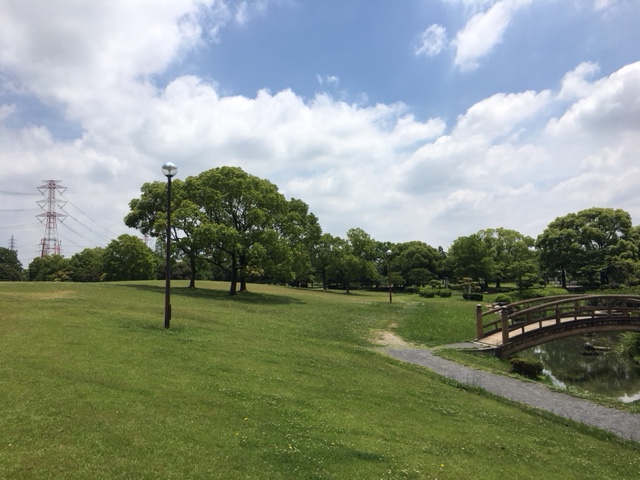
[413, 120]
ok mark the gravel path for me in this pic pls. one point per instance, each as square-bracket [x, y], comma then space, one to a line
[623, 424]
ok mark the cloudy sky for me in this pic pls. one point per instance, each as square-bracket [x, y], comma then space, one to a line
[413, 120]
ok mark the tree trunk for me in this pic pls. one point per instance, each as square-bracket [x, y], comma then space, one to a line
[192, 276]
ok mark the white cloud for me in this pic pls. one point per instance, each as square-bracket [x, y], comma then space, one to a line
[432, 41]
[575, 84]
[483, 32]
[503, 162]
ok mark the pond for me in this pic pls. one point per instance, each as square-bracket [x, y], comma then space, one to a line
[603, 373]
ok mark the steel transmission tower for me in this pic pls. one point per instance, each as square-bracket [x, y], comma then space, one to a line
[50, 242]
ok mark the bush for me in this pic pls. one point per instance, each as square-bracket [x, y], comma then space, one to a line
[444, 293]
[502, 298]
[473, 296]
[427, 292]
[527, 367]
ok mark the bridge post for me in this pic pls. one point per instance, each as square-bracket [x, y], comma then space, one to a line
[479, 326]
[505, 325]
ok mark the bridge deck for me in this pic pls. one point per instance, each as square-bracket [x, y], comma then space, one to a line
[495, 339]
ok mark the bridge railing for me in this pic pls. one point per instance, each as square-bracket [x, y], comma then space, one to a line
[516, 317]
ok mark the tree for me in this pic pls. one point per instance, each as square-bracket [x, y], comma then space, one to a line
[49, 269]
[471, 257]
[324, 257]
[10, 267]
[513, 255]
[128, 258]
[417, 262]
[149, 215]
[87, 265]
[594, 244]
[242, 221]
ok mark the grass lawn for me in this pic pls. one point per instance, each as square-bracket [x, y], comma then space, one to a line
[278, 383]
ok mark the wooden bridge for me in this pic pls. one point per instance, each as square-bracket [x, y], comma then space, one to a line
[520, 325]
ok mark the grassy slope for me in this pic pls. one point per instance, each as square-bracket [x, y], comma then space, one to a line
[278, 383]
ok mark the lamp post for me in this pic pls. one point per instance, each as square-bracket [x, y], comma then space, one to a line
[169, 170]
[389, 252]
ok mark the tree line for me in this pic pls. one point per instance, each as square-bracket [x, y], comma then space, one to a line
[229, 225]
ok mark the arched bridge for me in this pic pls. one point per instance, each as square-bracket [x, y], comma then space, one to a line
[520, 325]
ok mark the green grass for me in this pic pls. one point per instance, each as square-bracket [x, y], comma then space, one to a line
[439, 321]
[278, 383]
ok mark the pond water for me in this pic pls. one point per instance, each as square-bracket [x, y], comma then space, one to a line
[604, 373]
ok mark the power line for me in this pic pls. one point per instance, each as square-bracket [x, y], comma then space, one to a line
[4, 192]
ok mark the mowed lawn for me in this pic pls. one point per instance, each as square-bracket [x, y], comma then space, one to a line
[278, 383]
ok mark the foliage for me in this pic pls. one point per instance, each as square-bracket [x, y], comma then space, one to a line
[444, 293]
[87, 265]
[10, 267]
[527, 367]
[427, 292]
[51, 268]
[471, 257]
[128, 258]
[513, 256]
[629, 345]
[473, 296]
[538, 293]
[597, 245]
[502, 298]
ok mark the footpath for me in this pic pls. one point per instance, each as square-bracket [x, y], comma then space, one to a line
[623, 424]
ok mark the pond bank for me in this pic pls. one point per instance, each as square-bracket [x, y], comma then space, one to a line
[623, 424]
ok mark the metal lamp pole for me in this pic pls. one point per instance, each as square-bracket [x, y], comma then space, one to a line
[169, 170]
[389, 252]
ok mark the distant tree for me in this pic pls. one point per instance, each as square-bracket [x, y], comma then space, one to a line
[87, 265]
[128, 258]
[325, 255]
[10, 267]
[417, 262]
[471, 257]
[49, 269]
[596, 245]
[513, 254]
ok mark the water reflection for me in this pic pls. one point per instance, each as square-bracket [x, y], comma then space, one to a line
[604, 373]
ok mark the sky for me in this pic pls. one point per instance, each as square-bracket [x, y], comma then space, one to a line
[412, 120]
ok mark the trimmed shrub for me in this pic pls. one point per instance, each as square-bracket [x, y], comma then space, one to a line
[473, 296]
[427, 292]
[502, 298]
[527, 367]
[444, 293]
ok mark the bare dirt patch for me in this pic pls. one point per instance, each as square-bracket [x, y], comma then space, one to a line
[385, 338]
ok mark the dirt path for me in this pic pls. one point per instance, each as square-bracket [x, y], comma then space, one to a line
[623, 424]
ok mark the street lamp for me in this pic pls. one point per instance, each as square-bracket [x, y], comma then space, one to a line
[389, 252]
[169, 170]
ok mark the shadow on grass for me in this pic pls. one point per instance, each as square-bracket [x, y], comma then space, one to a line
[251, 298]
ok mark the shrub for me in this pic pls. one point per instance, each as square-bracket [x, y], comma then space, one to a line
[502, 298]
[444, 293]
[473, 296]
[527, 367]
[427, 292]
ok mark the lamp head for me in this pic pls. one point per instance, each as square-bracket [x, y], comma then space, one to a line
[169, 169]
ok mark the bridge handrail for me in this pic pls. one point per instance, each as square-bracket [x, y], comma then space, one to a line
[544, 303]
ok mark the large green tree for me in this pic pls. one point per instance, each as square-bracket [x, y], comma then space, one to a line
[417, 262]
[471, 257]
[513, 254]
[49, 268]
[148, 213]
[129, 258]
[246, 227]
[594, 245]
[10, 267]
[87, 265]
